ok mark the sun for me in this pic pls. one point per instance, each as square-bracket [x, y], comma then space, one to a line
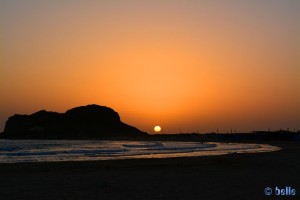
[157, 129]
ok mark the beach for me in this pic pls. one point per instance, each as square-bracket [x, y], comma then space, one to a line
[233, 176]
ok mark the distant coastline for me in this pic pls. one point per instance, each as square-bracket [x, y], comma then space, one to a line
[279, 135]
[201, 137]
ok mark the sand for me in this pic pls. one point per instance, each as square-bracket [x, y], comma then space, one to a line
[235, 176]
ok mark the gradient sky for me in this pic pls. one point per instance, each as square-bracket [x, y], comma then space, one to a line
[182, 64]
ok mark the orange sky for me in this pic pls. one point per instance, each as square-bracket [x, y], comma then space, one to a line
[190, 65]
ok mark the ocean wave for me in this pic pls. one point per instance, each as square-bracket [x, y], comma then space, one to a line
[47, 151]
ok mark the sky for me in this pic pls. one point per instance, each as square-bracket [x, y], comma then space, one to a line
[187, 65]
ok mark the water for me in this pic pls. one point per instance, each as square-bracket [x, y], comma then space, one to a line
[13, 151]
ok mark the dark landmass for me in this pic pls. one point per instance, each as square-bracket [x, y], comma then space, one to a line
[226, 177]
[85, 122]
[100, 122]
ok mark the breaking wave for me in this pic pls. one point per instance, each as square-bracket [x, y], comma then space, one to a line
[13, 151]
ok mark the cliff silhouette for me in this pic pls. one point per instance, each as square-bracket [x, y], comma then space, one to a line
[84, 122]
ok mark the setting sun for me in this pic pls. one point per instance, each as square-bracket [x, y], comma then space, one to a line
[157, 129]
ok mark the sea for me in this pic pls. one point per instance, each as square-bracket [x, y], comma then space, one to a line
[15, 151]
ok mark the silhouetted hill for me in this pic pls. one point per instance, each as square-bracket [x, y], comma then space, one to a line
[85, 122]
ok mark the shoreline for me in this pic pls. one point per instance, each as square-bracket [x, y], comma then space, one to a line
[126, 150]
[231, 176]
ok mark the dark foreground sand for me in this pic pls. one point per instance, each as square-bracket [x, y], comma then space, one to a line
[236, 176]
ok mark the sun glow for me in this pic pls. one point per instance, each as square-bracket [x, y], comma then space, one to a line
[157, 129]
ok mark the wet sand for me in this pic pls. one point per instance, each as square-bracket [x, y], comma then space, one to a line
[234, 176]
